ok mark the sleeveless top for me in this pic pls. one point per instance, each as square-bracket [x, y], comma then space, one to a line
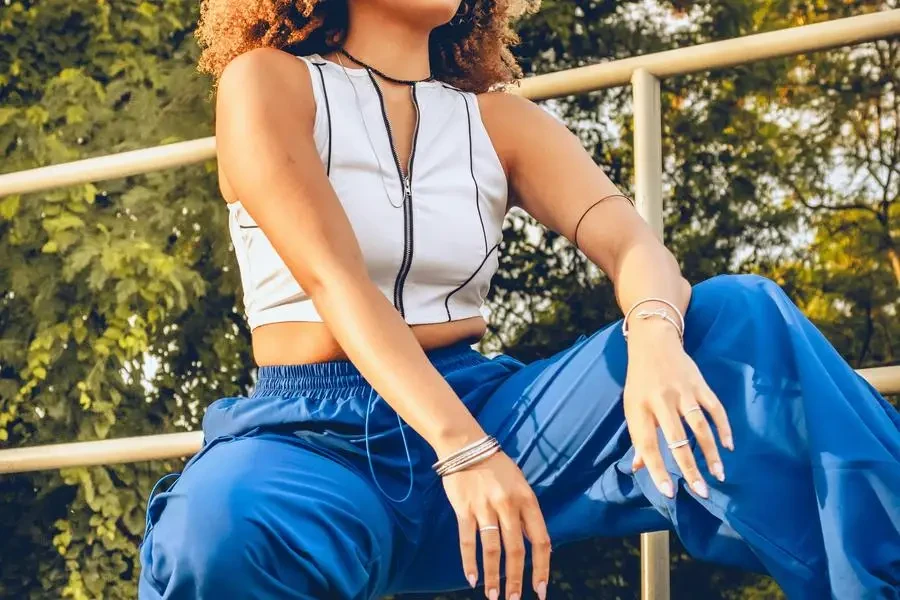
[429, 242]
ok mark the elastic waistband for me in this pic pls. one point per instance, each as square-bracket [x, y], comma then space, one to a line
[343, 373]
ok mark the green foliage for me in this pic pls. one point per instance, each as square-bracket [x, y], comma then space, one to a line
[100, 281]
[119, 315]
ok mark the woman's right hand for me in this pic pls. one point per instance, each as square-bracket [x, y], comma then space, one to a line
[493, 499]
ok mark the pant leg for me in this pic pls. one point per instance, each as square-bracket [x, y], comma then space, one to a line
[264, 516]
[816, 452]
[814, 483]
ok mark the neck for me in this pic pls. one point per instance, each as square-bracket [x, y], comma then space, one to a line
[405, 57]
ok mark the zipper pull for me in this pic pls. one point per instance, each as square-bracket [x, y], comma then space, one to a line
[407, 192]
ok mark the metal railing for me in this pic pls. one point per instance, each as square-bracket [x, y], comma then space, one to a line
[643, 73]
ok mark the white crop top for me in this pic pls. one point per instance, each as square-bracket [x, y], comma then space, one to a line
[430, 245]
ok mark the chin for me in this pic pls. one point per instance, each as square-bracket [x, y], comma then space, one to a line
[427, 13]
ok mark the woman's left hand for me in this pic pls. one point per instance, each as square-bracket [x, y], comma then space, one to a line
[664, 388]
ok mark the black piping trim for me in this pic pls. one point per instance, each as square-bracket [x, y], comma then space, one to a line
[249, 226]
[472, 171]
[466, 282]
[328, 112]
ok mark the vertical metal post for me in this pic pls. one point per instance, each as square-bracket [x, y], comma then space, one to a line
[648, 197]
[648, 148]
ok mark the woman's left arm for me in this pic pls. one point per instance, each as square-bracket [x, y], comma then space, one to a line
[555, 180]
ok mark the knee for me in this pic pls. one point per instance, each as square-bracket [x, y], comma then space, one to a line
[735, 304]
[217, 548]
[743, 283]
[737, 289]
[204, 543]
[218, 537]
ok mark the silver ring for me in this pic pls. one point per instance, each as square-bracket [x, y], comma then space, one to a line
[679, 444]
[692, 409]
[489, 528]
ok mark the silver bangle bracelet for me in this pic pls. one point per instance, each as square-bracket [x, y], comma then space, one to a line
[661, 313]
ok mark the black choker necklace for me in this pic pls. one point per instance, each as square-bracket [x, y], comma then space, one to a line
[382, 75]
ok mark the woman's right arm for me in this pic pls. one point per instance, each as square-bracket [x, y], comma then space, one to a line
[264, 131]
[264, 134]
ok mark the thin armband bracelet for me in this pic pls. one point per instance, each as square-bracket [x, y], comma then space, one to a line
[590, 208]
[661, 313]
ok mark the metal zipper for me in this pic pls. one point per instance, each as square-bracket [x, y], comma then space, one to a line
[406, 184]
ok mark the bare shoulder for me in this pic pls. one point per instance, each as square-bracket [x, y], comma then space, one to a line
[266, 83]
[515, 123]
[262, 94]
[496, 104]
[502, 110]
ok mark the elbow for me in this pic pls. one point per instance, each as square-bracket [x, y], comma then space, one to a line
[686, 291]
[328, 286]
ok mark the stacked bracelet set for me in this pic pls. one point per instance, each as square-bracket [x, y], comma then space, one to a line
[468, 456]
[660, 313]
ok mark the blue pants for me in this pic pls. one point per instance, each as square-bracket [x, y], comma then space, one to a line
[311, 488]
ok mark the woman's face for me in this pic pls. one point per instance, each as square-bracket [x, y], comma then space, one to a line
[424, 13]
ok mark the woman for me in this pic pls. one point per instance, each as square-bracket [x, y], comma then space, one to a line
[367, 171]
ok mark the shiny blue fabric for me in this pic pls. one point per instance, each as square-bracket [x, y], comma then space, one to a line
[281, 501]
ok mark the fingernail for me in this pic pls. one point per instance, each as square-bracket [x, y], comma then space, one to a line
[514, 596]
[701, 489]
[718, 470]
[634, 464]
[666, 488]
[473, 579]
[541, 590]
[728, 442]
[494, 594]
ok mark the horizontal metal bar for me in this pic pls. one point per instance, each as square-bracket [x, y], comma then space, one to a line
[175, 445]
[103, 452]
[885, 379]
[714, 55]
[111, 166]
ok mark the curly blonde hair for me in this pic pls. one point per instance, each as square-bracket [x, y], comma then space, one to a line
[470, 52]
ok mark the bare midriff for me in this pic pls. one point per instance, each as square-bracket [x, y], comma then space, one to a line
[297, 343]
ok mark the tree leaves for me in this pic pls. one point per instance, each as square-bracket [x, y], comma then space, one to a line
[99, 281]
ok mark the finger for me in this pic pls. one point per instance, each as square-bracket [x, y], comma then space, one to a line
[696, 420]
[642, 427]
[710, 402]
[673, 430]
[513, 549]
[536, 530]
[489, 531]
[467, 532]
[637, 463]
